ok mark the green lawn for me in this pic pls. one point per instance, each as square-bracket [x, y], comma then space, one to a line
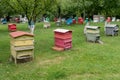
[85, 61]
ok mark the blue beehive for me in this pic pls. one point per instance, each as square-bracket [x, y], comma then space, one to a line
[4, 21]
[69, 21]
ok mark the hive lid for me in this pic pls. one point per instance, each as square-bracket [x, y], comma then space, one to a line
[61, 30]
[92, 27]
[20, 33]
[111, 25]
[11, 24]
[91, 31]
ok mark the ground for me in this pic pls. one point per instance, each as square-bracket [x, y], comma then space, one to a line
[85, 61]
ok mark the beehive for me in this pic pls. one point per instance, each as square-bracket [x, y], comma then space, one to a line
[92, 33]
[58, 23]
[111, 29]
[12, 27]
[63, 38]
[74, 21]
[80, 20]
[46, 24]
[96, 18]
[22, 45]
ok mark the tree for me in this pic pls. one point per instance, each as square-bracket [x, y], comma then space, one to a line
[5, 10]
[31, 8]
[82, 6]
[34, 8]
[110, 7]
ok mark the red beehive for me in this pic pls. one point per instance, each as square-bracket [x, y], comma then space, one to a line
[64, 43]
[55, 19]
[80, 20]
[63, 38]
[12, 27]
[108, 19]
[63, 33]
[74, 21]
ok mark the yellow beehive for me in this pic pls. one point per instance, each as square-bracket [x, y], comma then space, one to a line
[22, 45]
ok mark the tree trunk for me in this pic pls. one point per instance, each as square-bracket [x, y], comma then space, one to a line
[84, 14]
[31, 26]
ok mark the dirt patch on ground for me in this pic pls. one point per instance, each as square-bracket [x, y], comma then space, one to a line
[77, 76]
[56, 60]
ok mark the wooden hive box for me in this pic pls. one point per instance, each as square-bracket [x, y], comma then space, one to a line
[92, 33]
[12, 27]
[96, 18]
[22, 45]
[63, 38]
[80, 20]
[63, 43]
[46, 24]
[92, 29]
[62, 33]
[111, 29]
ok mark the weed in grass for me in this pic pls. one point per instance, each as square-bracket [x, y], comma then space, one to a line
[56, 74]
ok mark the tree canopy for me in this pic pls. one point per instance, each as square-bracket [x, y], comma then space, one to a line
[84, 8]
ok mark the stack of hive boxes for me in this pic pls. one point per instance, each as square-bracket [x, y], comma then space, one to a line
[63, 38]
[92, 33]
[58, 22]
[96, 18]
[22, 45]
[111, 29]
[46, 24]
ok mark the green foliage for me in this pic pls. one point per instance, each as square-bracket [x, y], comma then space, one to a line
[35, 8]
[32, 8]
[5, 10]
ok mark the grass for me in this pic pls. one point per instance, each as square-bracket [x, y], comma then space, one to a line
[85, 61]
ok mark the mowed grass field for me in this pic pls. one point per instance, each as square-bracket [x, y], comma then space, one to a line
[85, 61]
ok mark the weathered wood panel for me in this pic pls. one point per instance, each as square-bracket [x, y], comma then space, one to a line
[21, 45]
[24, 48]
[22, 42]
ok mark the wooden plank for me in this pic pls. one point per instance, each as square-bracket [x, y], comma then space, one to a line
[58, 48]
[24, 48]
[13, 52]
[22, 43]
[22, 38]
[24, 57]
[24, 53]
